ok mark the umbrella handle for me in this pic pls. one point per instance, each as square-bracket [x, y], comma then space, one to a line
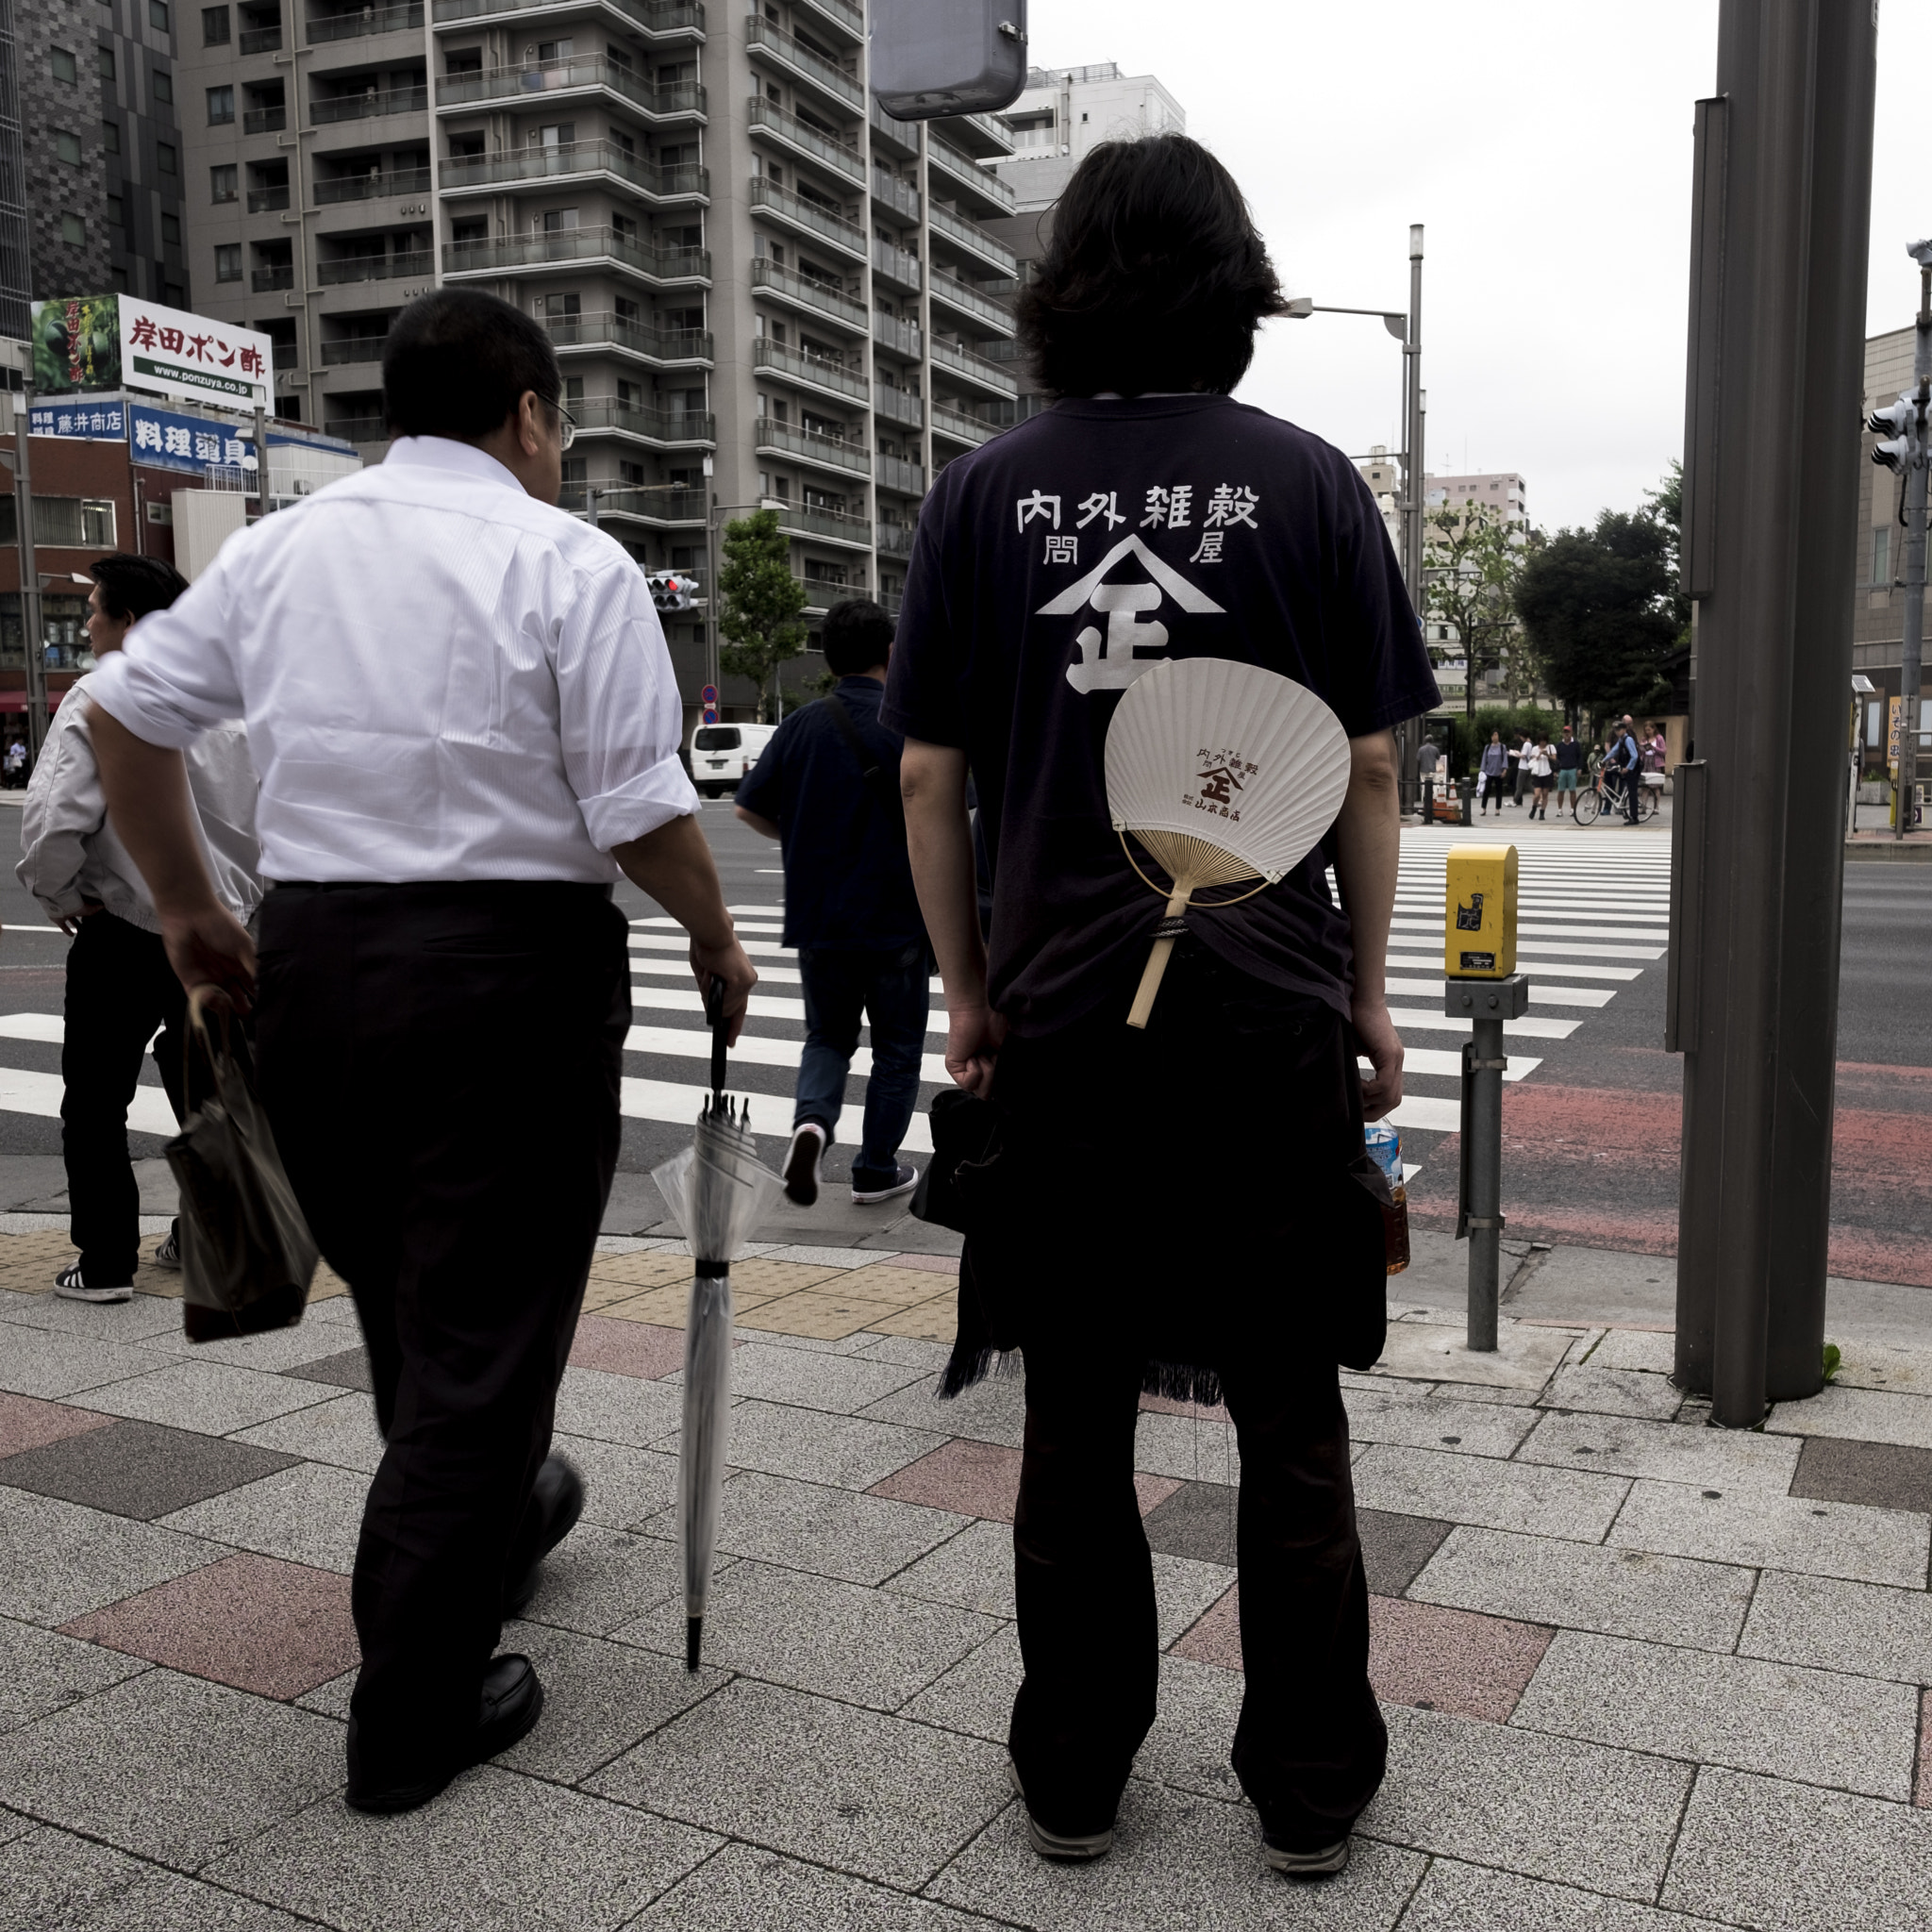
[714, 1012]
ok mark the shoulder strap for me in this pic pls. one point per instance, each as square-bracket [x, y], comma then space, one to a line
[878, 781]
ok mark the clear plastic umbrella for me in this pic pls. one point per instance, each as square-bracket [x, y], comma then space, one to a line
[719, 1190]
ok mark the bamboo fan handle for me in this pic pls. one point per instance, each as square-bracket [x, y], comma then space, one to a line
[1157, 962]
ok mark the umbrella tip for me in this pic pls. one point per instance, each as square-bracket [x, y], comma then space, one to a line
[693, 1641]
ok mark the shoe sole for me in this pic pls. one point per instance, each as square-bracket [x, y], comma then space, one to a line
[870, 1196]
[94, 1294]
[1051, 1844]
[173, 1267]
[1321, 1864]
[802, 1187]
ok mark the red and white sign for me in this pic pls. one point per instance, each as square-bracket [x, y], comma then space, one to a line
[172, 353]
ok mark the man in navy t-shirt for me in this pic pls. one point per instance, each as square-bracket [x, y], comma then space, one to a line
[1180, 1208]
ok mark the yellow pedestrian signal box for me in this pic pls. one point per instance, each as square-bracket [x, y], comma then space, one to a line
[1479, 916]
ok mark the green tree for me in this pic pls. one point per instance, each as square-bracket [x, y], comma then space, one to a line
[1471, 562]
[758, 604]
[1597, 605]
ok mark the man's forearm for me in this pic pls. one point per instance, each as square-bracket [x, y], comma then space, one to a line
[1368, 853]
[939, 841]
[673, 865]
[145, 787]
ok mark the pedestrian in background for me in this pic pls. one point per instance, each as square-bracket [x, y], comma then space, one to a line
[1427, 758]
[120, 991]
[1520, 761]
[827, 789]
[1492, 774]
[466, 724]
[1542, 760]
[1568, 763]
[15, 764]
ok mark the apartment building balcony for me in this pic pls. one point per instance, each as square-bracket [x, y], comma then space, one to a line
[264, 279]
[902, 405]
[612, 334]
[895, 539]
[372, 104]
[894, 194]
[808, 297]
[975, 242]
[826, 526]
[895, 267]
[985, 192]
[778, 49]
[260, 40]
[352, 349]
[790, 135]
[362, 429]
[815, 372]
[364, 21]
[773, 438]
[660, 428]
[979, 135]
[525, 253]
[960, 426]
[899, 139]
[372, 268]
[371, 187]
[264, 120]
[665, 21]
[890, 602]
[660, 505]
[821, 593]
[839, 14]
[991, 378]
[963, 300]
[895, 472]
[466, 175]
[264, 201]
[805, 218]
[902, 337]
[584, 77]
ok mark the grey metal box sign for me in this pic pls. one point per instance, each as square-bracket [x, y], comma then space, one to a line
[931, 59]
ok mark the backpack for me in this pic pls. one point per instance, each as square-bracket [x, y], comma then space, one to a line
[881, 786]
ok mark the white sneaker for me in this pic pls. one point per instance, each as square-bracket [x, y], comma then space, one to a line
[803, 1159]
[168, 1250]
[905, 1178]
[70, 1287]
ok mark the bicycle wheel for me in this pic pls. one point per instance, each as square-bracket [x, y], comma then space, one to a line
[1589, 802]
[1652, 799]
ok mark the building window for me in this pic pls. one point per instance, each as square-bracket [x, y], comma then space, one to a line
[214, 26]
[61, 61]
[171, 230]
[118, 276]
[165, 158]
[111, 136]
[221, 183]
[103, 59]
[175, 295]
[74, 231]
[221, 106]
[157, 15]
[117, 212]
[164, 87]
[67, 147]
[228, 261]
[1881, 556]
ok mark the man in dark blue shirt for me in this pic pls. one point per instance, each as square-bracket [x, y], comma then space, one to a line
[827, 789]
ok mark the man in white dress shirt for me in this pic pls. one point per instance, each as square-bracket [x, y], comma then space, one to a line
[465, 723]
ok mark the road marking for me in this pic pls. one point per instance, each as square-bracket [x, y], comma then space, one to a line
[763, 1006]
[1561, 997]
[1530, 1027]
[48, 1026]
[1439, 1062]
[41, 1093]
[771, 1113]
[1525, 962]
[680, 969]
[1423, 1113]
[759, 1050]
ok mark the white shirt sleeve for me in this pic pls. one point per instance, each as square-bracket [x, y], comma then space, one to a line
[176, 674]
[619, 713]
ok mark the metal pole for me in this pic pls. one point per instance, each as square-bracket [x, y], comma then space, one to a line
[590, 504]
[1412, 361]
[1783, 195]
[1911, 647]
[711, 600]
[33, 640]
[261, 457]
[1484, 1141]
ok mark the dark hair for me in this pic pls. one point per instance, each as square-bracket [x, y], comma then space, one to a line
[457, 361]
[856, 635]
[1154, 278]
[132, 586]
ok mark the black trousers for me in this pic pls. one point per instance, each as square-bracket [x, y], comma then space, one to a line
[1310, 1746]
[119, 990]
[440, 1065]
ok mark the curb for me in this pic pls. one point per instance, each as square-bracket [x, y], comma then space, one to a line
[1888, 851]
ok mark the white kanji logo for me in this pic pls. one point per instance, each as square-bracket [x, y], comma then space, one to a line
[1210, 550]
[1099, 504]
[1134, 638]
[1230, 506]
[1062, 550]
[1157, 507]
[1180, 505]
[1038, 505]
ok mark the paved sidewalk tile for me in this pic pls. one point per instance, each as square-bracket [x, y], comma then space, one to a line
[341, 1431]
[1548, 1807]
[993, 1410]
[1188, 1449]
[139, 1469]
[165, 1901]
[1197, 1521]
[1585, 1587]
[1454, 1660]
[1183, 1590]
[597, 1580]
[1854, 1733]
[497, 1853]
[1395, 1549]
[935, 1321]
[973, 1479]
[626, 1348]
[1775, 1532]
[1857, 1628]
[36, 1361]
[977, 1695]
[1878, 1365]
[1884, 1476]
[1922, 1788]
[210, 1397]
[42, 1672]
[347, 1367]
[1436, 1350]
[857, 1537]
[816, 1633]
[839, 1385]
[824, 1314]
[1646, 1350]
[1497, 1495]
[279, 1629]
[1472, 1898]
[309, 1514]
[1664, 1452]
[147, 1319]
[972, 1569]
[928, 1357]
[274, 1352]
[1399, 1412]
[743, 1887]
[622, 1487]
[844, 1451]
[1178, 1860]
[640, 1269]
[1607, 1390]
[1870, 1415]
[51, 1879]
[1197, 1708]
[171, 1768]
[879, 1797]
[60, 1560]
[1791, 1857]
[1215, 1637]
[27, 1422]
[618, 1409]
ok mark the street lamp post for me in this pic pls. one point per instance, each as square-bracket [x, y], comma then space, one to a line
[33, 643]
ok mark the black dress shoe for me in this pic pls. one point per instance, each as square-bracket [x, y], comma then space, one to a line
[557, 1501]
[511, 1702]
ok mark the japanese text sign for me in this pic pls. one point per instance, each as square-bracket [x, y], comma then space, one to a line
[97, 418]
[163, 441]
[176, 354]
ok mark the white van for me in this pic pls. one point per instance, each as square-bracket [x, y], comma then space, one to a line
[721, 754]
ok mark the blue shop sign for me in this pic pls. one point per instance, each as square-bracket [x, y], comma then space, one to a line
[85, 419]
[163, 439]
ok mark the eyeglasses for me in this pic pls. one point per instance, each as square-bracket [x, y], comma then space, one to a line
[566, 424]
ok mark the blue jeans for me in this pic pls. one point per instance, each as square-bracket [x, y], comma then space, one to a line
[891, 989]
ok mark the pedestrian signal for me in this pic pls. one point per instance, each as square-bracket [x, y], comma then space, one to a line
[1479, 912]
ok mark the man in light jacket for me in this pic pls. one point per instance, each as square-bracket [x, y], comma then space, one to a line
[120, 986]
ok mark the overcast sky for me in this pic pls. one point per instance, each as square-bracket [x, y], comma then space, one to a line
[1546, 146]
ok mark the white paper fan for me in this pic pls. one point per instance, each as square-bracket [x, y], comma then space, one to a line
[1224, 772]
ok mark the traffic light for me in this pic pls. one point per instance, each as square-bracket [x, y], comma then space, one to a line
[1904, 444]
[934, 59]
[672, 590]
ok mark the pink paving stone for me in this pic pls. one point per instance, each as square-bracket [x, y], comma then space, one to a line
[627, 1348]
[1921, 1792]
[276, 1628]
[975, 1479]
[1153, 1491]
[1436, 1659]
[28, 1424]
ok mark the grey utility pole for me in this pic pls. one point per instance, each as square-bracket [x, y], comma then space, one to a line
[32, 634]
[1413, 530]
[1781, 208]
[1909, 422]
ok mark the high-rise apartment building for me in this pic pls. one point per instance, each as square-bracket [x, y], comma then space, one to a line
[141, 142]
[763, 290]
[16, 251]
